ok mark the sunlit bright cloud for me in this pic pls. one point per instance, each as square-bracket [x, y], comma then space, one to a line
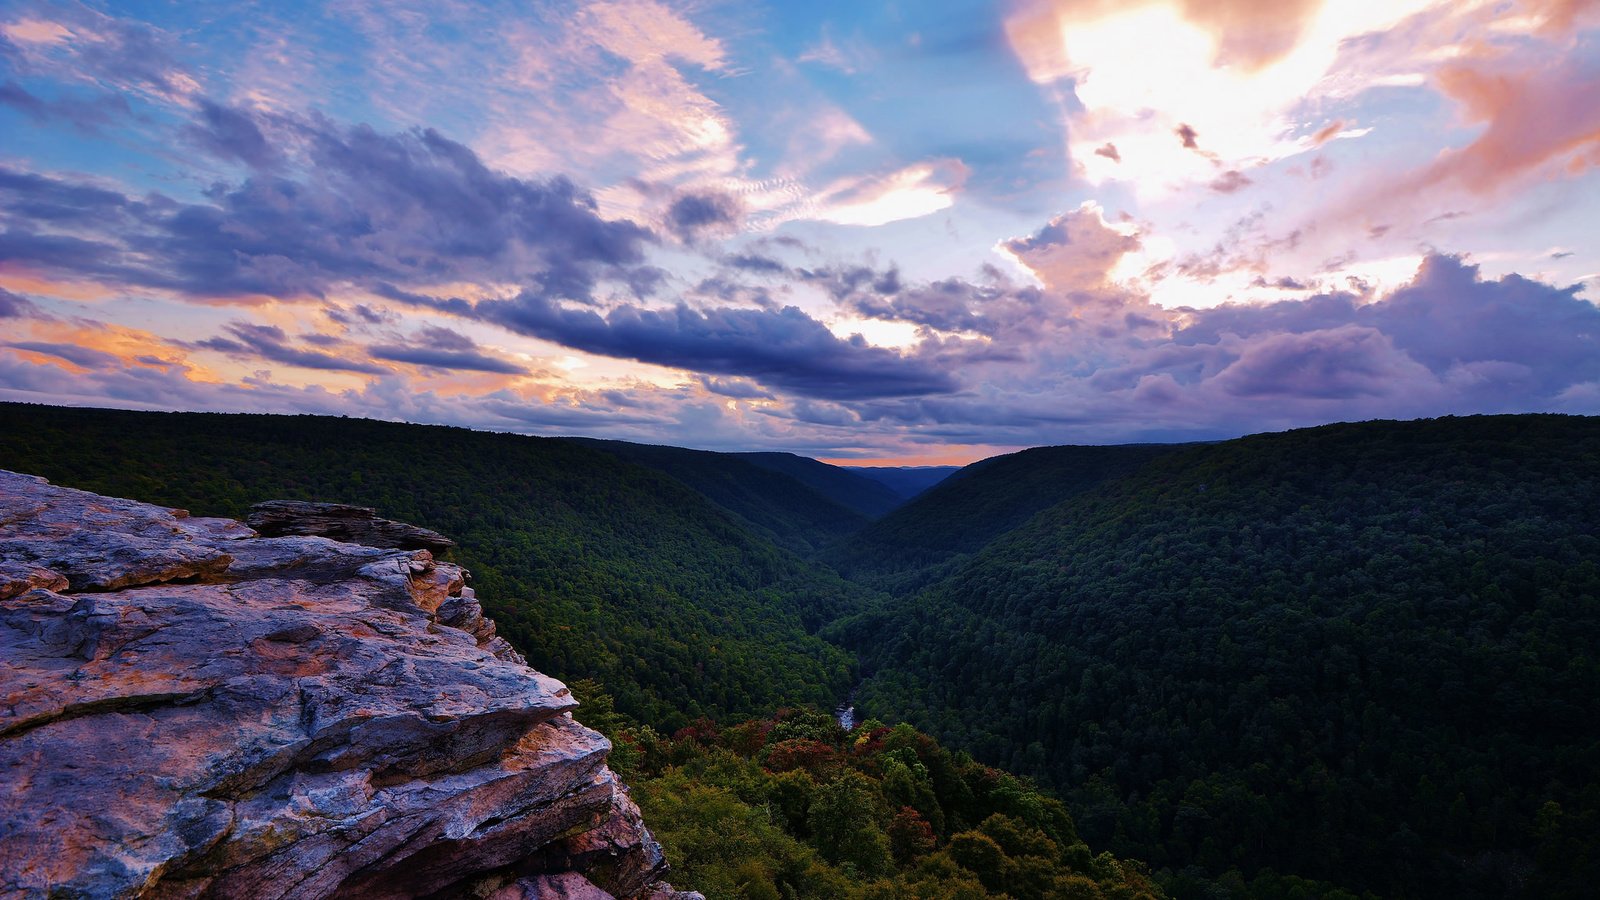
[1157, 81]
[910, 193]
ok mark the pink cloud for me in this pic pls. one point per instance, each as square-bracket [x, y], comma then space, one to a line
[1531, 117]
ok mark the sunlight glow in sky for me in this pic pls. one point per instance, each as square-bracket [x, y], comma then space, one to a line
[924, 232]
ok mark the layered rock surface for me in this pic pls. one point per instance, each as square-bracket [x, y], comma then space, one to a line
[188, 709]
[342, 522]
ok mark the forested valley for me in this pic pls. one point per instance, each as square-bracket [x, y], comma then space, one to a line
[1348, 661]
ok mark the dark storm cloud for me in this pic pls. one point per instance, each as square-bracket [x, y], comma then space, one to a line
[441, 348]
[782, 348]
[269, 342]
[363, 207]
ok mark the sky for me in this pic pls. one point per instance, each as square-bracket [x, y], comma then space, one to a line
[889, 233]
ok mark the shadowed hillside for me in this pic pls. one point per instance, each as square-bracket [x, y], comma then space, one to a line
[789, 511]
[842, 485]
[907, 481]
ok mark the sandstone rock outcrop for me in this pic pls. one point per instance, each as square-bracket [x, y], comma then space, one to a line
[342, 522]
[188, 709]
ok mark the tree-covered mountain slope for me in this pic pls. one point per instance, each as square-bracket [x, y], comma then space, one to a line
[842, 485]
[592, 566]
[773, 503]
[1366, 654]
[907, 481]
[974, 506]
[1357, 660]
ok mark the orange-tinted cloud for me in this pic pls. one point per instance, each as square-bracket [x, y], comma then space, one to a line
[1327, 132]
[1252, 33]
[80, 345]
[25, 280]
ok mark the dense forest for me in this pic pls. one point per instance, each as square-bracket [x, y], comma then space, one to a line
[1363, 654]
[1351, 661]
[592, 566]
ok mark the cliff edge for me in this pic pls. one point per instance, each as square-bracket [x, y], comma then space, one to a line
[189, 709]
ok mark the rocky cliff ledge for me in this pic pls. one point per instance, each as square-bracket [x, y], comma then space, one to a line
[188, 709]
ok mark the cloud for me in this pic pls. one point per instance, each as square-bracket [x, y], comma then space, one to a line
[86, 116]
[603, 89]
[1446, 317]
[390, 398]
[269, 342]
[1237, 72]
[441, 348]
[1327, 132]
[951, 305]
[398, 243]
[1533, 118]
[231, 134]
[86, 357]
[89, 46]
[1447, 342]
[1230, 181]
[1074, 252]
[755, 262]
[34, 200]
[362, 207]
[14, 306]
[1337, 364]
[695, 212]
[849, 57]
[737, 388]
[912, 192]
[783, 348]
